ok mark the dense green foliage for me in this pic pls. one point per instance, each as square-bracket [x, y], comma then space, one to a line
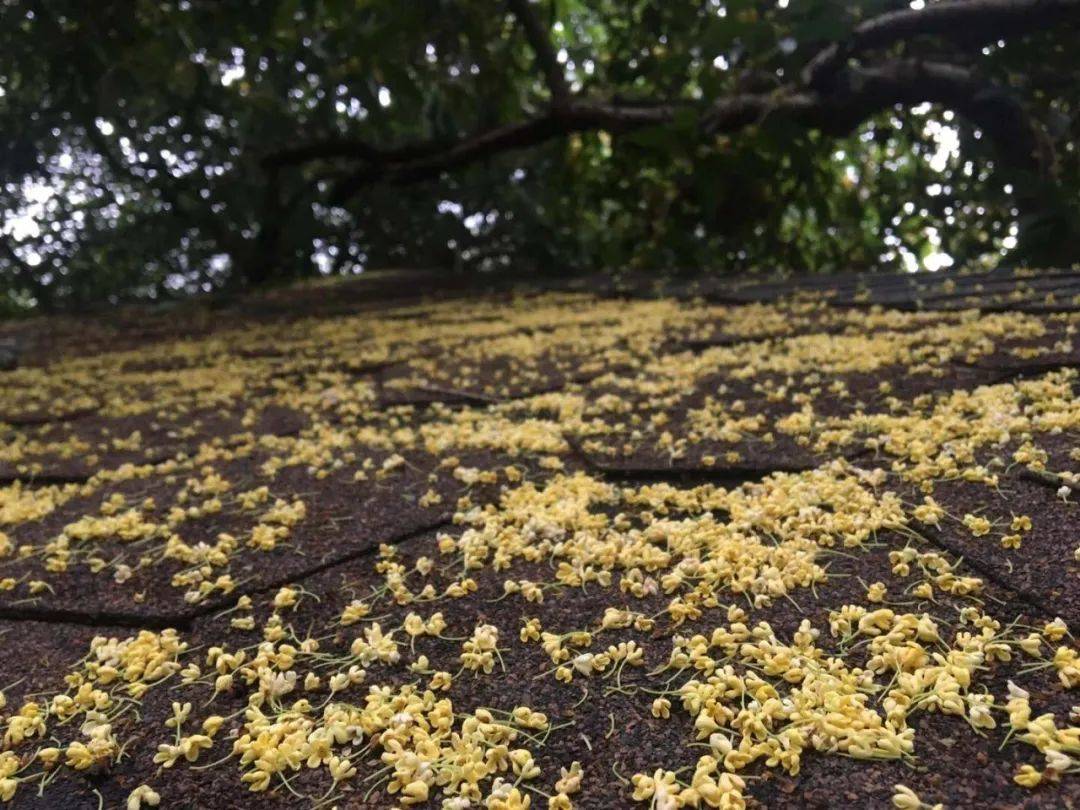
[135, 139]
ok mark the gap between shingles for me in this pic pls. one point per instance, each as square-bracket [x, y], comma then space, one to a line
[1023, 594]
[728, 475]
[185, 621]
[434, 525]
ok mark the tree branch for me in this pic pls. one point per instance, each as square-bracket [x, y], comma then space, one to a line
[834, 97]
[860, 93]
[972, 21]
[540, 42]
[857, 94]
[351, 149]
[864, 92]
[576, 117]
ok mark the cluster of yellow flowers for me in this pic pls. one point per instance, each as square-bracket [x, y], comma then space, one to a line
[767, 547]
[110, 681]
[424, 744]
[941, 438]
[708, 785]
[190, 481]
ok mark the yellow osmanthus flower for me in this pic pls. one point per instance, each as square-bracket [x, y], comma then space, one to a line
[691, 567]
[142, 796]
[904, 798]
[1028, 776]
[423, 742]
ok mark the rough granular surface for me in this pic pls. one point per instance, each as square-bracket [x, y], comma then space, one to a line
[769, 544]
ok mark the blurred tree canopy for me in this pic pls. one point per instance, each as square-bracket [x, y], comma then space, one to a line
[161, 147]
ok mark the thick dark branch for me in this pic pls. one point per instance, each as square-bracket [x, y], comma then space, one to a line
[540, 42]
[969, 21]
[501, 139]
[350, 149]
[860, 93]
[577, 117]
[835, 96]
[573, 117]
[857, 94]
